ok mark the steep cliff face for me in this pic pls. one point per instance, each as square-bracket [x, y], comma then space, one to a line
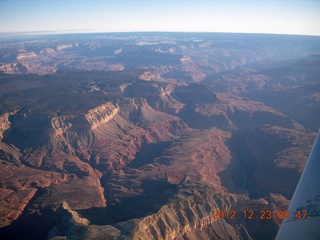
[130, 125]
[136, 125]
[168, 103]
[280, 171]
[11, 208]
[149, 180]
[141, 154]
[77, 149]
[139, 112]
[4, 123]
[232, 112]
[191, 69]
[19, 185]
[8, 152]
[101, 115]
[158, 95]
[73, 226]
[188, 214]
[73, 133]
[273, 158]
[28, 130]
[40, 134]
[90, 121]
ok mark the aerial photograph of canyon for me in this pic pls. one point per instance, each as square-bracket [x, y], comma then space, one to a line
[170, 120]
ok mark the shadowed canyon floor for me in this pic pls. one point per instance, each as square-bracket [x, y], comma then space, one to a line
[107, 138]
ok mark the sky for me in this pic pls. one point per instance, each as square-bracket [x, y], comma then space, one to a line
[300, 17]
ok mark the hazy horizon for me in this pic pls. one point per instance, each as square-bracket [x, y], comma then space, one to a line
[269, 17]
[85, 31]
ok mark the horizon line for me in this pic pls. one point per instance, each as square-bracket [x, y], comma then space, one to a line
[88, 31]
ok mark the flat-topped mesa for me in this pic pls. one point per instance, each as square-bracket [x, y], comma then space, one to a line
[72, 130]
[64, 46]
[94, 118]
[101, 114]
[26, 55]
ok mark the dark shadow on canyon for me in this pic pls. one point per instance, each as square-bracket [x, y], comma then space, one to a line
[156, 193]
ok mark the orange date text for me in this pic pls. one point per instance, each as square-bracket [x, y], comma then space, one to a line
[251, 215]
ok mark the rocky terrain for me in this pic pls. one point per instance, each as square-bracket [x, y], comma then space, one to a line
[145, 136]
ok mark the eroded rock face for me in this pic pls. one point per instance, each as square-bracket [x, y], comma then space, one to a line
[102, 158]
[131, 169]
[73, 226]
[275, 157]
[77, 149]
[4, 123]
[101, 115]
[13, 68]
[158, 95]
[148, 153]
[189, 214]
[7, 152]
[233, 112]
[19, 184]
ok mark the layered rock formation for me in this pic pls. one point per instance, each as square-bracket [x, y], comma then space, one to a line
[274, 156]
[203, 125]
[77, 147]
[189, 214]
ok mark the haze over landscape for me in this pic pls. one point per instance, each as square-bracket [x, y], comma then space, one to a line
[282, 17]
[143, 119]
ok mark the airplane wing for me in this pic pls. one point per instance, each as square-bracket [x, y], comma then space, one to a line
[304, 220]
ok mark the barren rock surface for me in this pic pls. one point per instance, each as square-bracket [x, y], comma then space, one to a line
[145, 137]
